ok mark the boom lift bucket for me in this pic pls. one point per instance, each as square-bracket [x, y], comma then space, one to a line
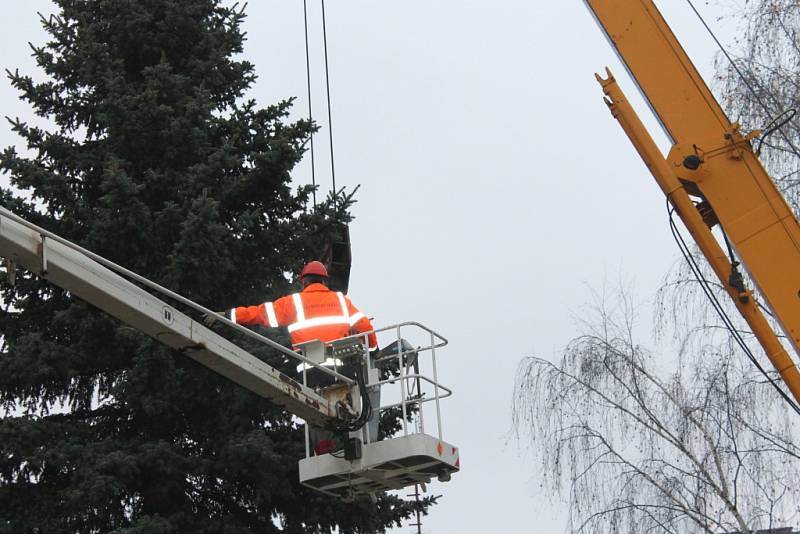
[366, 464]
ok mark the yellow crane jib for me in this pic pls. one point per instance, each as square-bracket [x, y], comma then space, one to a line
[711, 175]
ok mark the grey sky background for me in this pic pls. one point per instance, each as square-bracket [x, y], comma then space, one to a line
[497, 193]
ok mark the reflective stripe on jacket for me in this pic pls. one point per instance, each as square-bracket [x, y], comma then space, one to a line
[315, 313]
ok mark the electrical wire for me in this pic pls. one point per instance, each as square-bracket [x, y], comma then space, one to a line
[328, 91]
[742, 76]
[763, 308]
[310, 117]
[726, 320]
[731, 256]
[770, 129]
[774, 126]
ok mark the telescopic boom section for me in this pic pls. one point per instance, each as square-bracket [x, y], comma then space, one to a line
[70, 269]
[710, 163]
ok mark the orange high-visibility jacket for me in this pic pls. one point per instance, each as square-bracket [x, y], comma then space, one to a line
[315, 313]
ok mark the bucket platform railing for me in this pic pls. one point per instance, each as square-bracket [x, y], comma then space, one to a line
[404, 378]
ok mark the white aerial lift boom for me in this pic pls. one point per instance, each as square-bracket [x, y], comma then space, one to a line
[392, 463]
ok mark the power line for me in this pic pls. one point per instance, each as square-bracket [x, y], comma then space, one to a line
[717, 305]
[328, 91]
[310, 117]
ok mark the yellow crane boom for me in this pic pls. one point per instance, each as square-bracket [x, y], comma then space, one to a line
[711, 175]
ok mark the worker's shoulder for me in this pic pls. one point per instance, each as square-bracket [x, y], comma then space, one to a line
[285, 299]
[317, 288]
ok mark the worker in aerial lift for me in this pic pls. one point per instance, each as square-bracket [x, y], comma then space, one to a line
[316, 313]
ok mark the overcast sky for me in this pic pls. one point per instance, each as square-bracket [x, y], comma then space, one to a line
[497, 193]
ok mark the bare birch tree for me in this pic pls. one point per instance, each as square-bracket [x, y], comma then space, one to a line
[694, 439]
[636, 448]
[762, 86]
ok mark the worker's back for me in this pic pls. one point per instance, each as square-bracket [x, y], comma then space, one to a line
[315, 313]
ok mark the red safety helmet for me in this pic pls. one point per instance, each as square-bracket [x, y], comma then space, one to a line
[314, 267]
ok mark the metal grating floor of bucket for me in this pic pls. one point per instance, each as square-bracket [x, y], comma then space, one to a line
[384, 465]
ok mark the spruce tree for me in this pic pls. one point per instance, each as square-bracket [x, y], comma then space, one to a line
[158, 161]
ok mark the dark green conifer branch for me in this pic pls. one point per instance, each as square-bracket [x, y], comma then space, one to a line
[158, 161]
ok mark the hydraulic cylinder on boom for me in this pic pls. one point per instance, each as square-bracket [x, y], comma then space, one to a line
[711, 176]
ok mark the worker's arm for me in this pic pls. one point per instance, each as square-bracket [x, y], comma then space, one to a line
[250, 315]
[361, 323]
[272, 314]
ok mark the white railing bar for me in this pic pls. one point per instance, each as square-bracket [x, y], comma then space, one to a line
[436, 388]
[365, 362]
[412, 401]
[394, 380]
[443, 341]
[402, 388]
